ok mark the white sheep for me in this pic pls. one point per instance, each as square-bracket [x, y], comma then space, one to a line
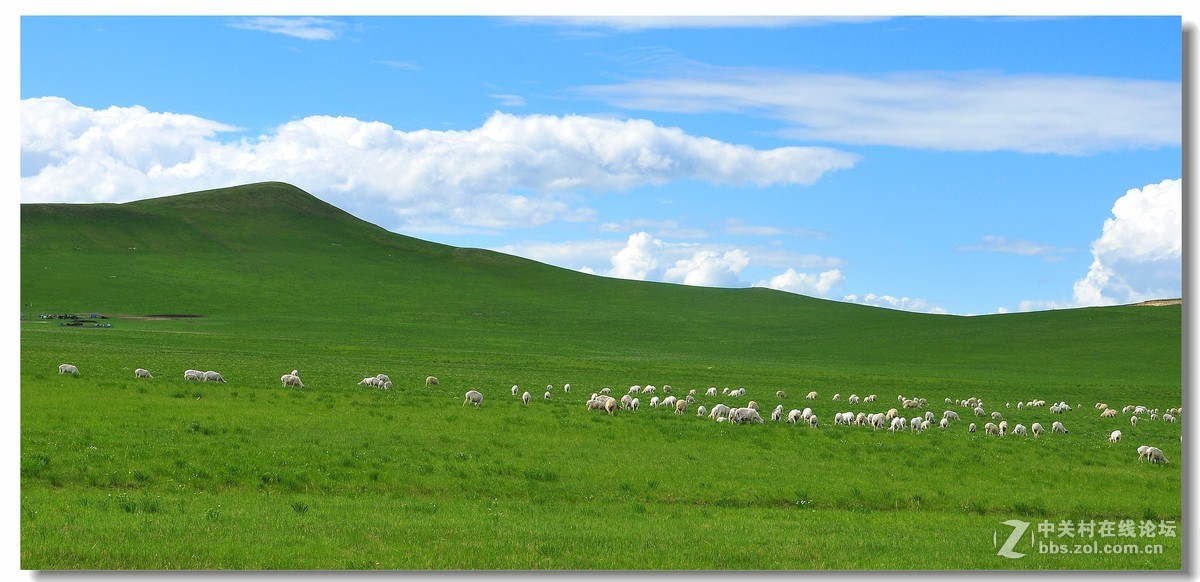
[1058, 427]
[142, 373]
[811, 395]
[610, 405]
[719, 411]
[991, 428]
[979, 411]
[950, 415]
[1108, 413]
[793, 416]
[382, 378]
[1037, 429]
[943, 423]
[740, 415]
[567, 388]
[1152, 454]
[635, 389]
[780, 394]
[701, 411]
[605, 391]
[971, 428]
[626, 401]
[68, 369]
[525, 397]
[648, 390]
[668, 401]
[546, 396]
[1115, 436]
[712, 391]
[193, 375]
[291, 380]
[871, 398]
[474, 397]
[837, 396]
[431, 381]
[777, 413]
[897, 424]
[634, 404]
[812, 420]
[653, 401]
[1133, 420]
[997, 416]
[1003, 427]
[1168, 417]
[211, 376]
[681, 406]
[853, 399]
[1019, 430]
[752, 404]
[369, 381]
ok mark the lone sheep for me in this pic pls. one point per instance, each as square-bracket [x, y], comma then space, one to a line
[142, 373]
[474, 397]
[811, 395]
[525, 398]
[431, 381]
[1115, 436]
[68, 369]
[291, 380]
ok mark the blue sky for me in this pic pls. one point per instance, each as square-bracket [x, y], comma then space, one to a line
[959, 165]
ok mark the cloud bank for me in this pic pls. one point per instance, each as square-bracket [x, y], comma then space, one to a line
[512, 171]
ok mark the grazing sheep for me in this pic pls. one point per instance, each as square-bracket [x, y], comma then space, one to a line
[668, 401]
[1167, 417]
[653, 401]
[474, 397]
[752, 404]
[681, 406]
[1115, 436]
[1019, 430]
[610, 405]
[626, 401]
[780, 394]
[1037, 429]
[811, 395]
[837, 396]
[515, 389]
[777, 413]
[1108, 413]
[193, 375]
[971, 428]
[871, 398]
[382, 378]
[891, 413]
[525, 397]
[211, 376]
[924, 425]
[431, 381]
[142, 373]
[604, 391]
[368, 381]
[546, 396]
[1058, 427]
[853, 399]
[567, 388]
[633, 404]
[291, 380]
[712, 391]
[929, 415]
[701, 411]
[997, 416]
[991, 428]
[793, 416]
[950, 415]
[897, 424]
[1003, 427]
[1152, 454]
[812, 421]
[635, 389]
[807, 412]
[719, 411]
[907, 403]
[1133, 420]
[1020, 405]
[943, 423]
[740, 415]
[979, 411]
[648, 390]
[68, 369]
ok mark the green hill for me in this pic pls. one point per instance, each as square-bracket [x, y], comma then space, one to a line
[273, 261]
[119, 472]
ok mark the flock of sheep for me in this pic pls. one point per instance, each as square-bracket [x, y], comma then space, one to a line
[892, 420]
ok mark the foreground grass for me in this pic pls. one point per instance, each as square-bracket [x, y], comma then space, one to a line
[119, 473]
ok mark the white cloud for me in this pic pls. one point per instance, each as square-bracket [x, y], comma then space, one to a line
[956, 111]
[1139, 255]
[902, 303]
[509, 100]
[802, 283]
[738, 227]
[1000, 244]
[639, 259]
[709, 269]
[510, 172]
[305, 27]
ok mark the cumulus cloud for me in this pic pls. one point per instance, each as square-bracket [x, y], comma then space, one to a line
[639, 259]
[891, 302]
[956, 111]
[512, 171]
[802, 283]
[304, 27]
[709, 269]
[1139, 255]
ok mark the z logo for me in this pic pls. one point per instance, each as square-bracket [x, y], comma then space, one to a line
[1006, 550]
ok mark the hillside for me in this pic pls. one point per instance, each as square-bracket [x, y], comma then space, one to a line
[271, 263]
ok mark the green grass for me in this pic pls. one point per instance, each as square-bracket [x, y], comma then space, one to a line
[120, 473]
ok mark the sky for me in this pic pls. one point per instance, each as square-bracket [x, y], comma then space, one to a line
[945, 164]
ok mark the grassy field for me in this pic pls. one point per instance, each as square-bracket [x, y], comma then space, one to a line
[125, 473]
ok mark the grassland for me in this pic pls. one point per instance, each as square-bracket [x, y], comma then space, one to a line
[119, 473]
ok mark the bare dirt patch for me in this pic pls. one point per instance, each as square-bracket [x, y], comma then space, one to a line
[1159, 302]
